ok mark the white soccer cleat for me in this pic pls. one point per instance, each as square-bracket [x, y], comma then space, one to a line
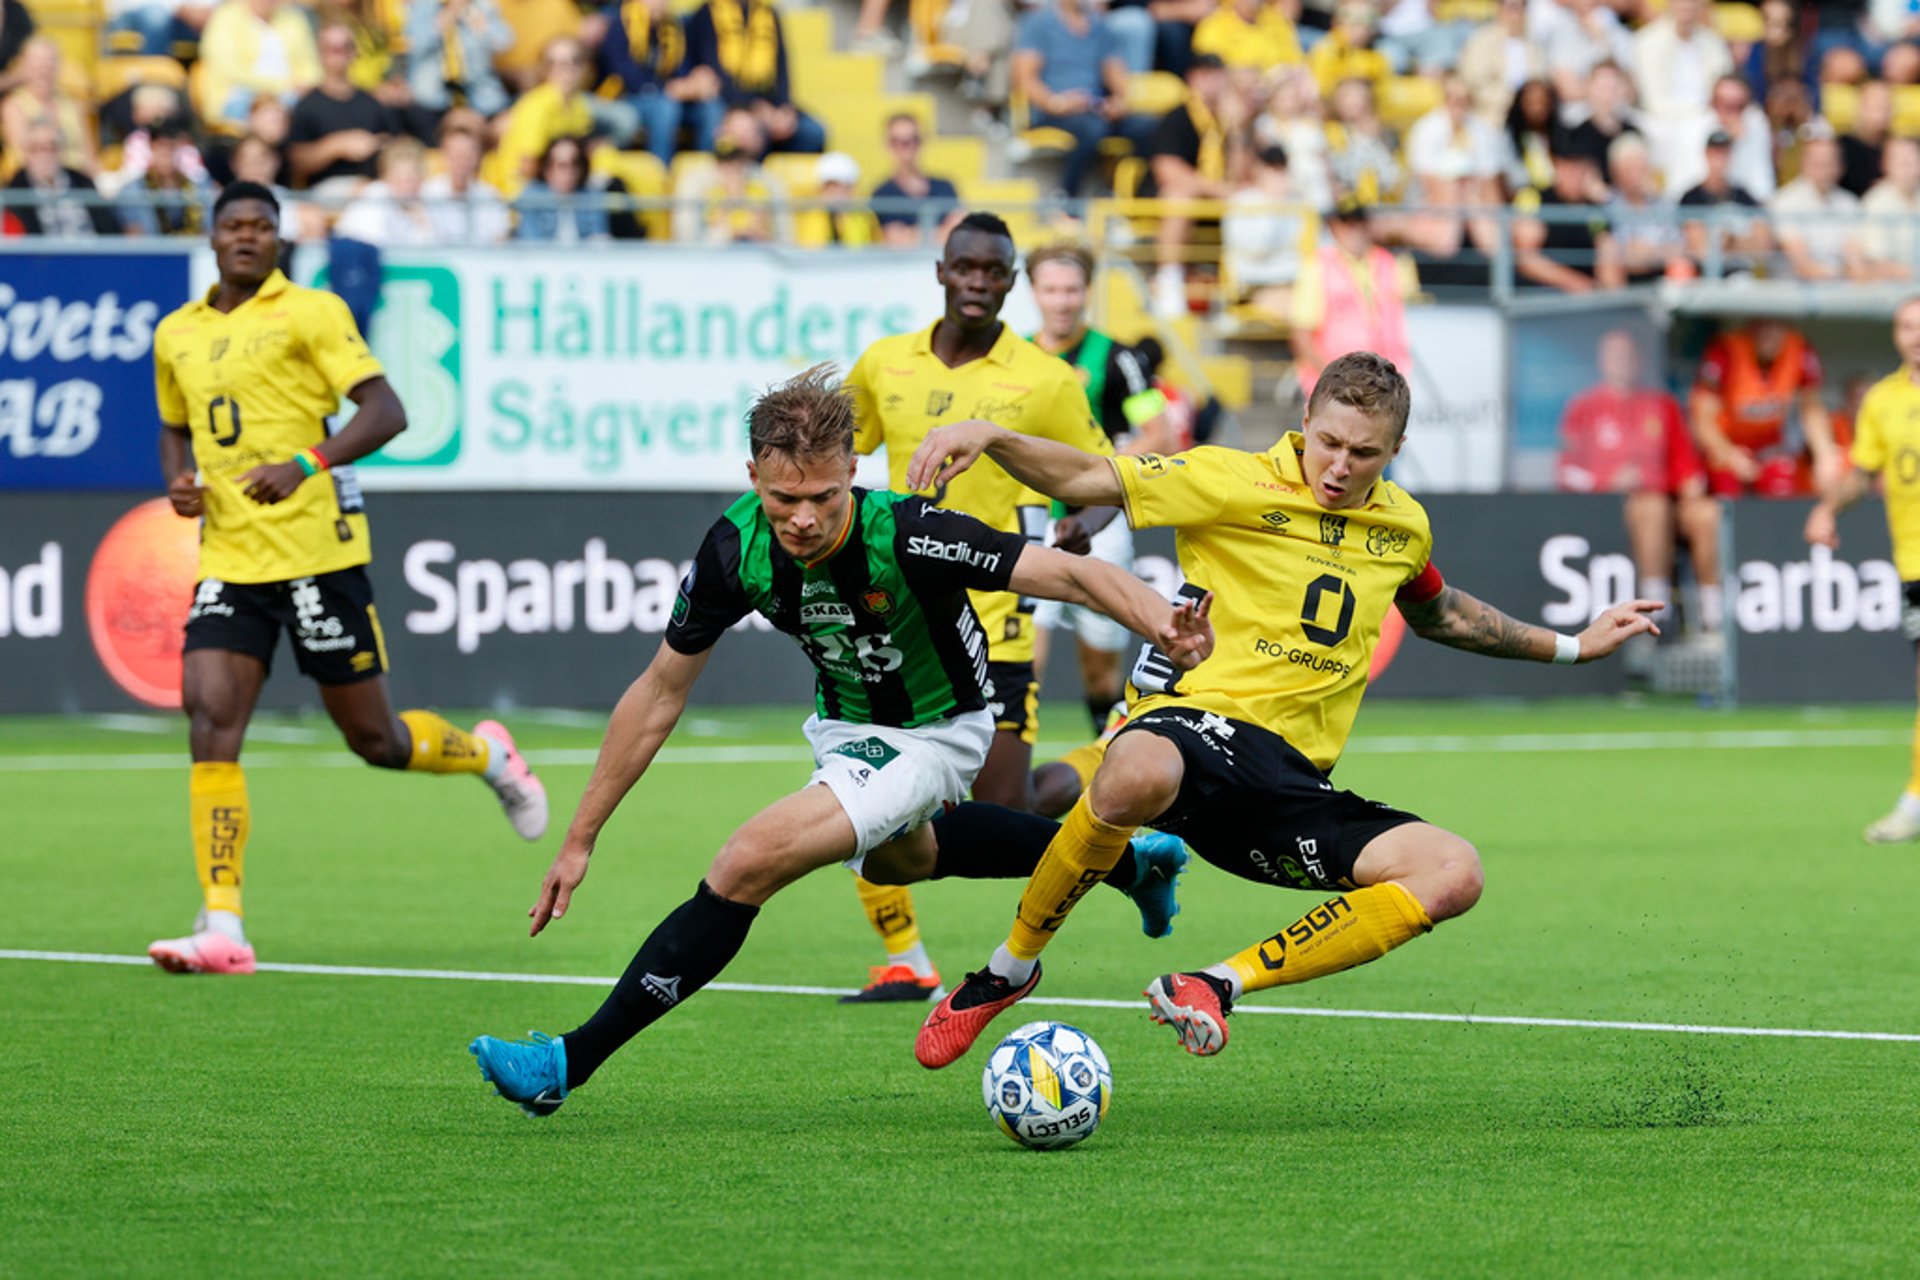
[208, 951]
[1896, 828]
[521, 794]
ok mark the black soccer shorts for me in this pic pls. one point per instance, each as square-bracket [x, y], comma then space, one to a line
[1252, 805]
[329, 618]
[1013, 697]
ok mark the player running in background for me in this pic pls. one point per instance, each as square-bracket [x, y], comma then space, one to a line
[1133, 414]
[1307, 545]
[247, 378]
[874, 586]
[971, 364]
[1886, 440]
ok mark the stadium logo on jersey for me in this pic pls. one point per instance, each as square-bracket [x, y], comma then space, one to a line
[957, 552]
[1275, 519]
[877, 602]
[938, 402]
[1383, 541]
[1333, 529]
[832, 612]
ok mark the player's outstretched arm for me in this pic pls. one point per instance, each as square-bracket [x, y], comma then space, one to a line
[1823, 522]
[1074, 476]
[1182, 632]
[1461, 621]
[641, 721]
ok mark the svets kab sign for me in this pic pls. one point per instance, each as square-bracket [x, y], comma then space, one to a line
[76, 372]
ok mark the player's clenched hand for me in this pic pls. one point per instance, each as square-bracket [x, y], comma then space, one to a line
[556, 891]
[184, 493]
[947, 451]
[1618, 625]
[1823, 527]
[1188, 636]
[271, 482]
[1070, 535]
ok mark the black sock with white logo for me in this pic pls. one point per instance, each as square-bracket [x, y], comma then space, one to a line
[684, 953]
[986, 842]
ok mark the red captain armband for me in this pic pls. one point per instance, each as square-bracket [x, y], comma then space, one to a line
[1422, 587]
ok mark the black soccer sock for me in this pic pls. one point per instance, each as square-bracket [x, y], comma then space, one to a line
[684, 953]
[987, 842]
[1098, 709]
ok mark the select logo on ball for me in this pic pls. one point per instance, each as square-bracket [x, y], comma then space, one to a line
[139, 588]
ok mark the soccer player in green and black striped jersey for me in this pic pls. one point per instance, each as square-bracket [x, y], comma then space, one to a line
[874, 588]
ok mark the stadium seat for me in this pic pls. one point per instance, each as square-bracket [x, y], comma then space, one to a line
[644, 176]
[1404, 99]
[1028, 140]
[1906, 110]
[1840, 105]
[1739, 23]
[799, 174]
[115, 75]
[1154, 93]
[534, 23]
[930, 49]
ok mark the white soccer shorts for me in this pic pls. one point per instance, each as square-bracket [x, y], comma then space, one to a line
[890, 781]
[1114, 544]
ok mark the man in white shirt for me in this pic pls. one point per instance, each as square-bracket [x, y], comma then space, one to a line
[463, 209]
[1890, 241]
[1450, 143]
[1818, 219]
[1677, 58]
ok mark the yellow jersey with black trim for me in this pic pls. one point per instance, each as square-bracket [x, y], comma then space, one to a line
[256, 385]
[1886, 439]
[901, 391]
[1299, 592]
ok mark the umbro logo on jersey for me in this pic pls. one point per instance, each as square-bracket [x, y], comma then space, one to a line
[665, 990]
[1275, 519]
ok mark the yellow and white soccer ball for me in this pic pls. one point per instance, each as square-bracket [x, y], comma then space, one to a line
[1047, 1085]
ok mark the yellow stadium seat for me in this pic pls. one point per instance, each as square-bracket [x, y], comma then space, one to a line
[1154, 93]
[644, 176]
[1404, 99]
[1739, 23]
[799, 174]
[1840, 104]
[1036, 141]
[115, 75]
[1906, 110]
[535, 23]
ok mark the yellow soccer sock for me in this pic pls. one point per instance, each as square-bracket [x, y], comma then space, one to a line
[1338, 934]
[1085, 760]
[1913, 783]
[439, 747]
[1079, 857]
[217, 808]
[889, 909]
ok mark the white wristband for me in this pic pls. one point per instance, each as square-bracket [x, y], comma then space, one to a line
[1566, 650]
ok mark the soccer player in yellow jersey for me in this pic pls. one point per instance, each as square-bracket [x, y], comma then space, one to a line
[1304, 548]
[1886, 441]
[246, 378]
[970, 364]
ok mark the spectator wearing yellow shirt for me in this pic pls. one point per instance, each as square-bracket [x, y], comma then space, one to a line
[255, 48]
[838, 221]
[1346, 52]
[558, 107]
[1253, 35]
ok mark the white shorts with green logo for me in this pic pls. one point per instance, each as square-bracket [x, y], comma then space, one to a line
[891, 780]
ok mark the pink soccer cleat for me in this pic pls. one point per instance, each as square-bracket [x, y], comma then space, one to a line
[208, 951]
[521, 794]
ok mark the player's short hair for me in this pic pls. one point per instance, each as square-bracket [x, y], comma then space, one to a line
[245, 191]
[1062, 251]
[985, 223]
[809, 415]
[1366, 382]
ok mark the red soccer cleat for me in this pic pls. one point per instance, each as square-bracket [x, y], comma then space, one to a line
[896, 984]
[951, 1029]
[1194, 1006]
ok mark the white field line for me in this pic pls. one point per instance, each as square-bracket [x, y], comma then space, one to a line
[1423, 744]
[1372, 1015]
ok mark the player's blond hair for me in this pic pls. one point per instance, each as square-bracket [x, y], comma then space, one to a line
[808, 416]
[1367, 382]
[1062, 251]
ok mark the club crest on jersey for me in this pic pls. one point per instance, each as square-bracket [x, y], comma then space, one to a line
[1275, 519]
[1333, 529]
[219, 349]
[877, 602]
[938, 402]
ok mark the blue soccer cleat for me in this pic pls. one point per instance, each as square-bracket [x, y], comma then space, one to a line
[530, 1072]
[1159, 859]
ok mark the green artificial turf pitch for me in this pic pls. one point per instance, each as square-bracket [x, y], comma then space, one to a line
[1645, 864]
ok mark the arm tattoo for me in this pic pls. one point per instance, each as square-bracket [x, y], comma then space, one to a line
[1461, 621]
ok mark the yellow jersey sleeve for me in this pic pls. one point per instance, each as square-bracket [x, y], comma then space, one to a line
[333, 342]
[869, 433]
[166, 390]
[1184, 489]
[1068, 418]
[1869, 451]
